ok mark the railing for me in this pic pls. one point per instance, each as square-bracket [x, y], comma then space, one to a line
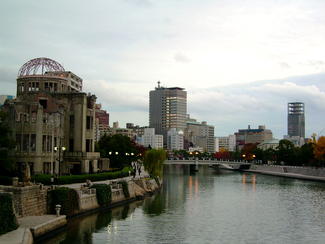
[86, 191]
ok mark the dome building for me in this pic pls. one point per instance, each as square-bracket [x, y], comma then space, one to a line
[53, 121]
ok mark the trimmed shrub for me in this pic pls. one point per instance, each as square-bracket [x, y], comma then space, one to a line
[5, 180]
[103, 194]
[70, 179]
[125, 188]
[66, 197]
[8, 219]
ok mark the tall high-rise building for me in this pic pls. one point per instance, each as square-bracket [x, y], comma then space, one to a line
[167, 109]
[296, 119]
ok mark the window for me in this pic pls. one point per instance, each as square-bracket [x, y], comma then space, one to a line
[25, 142]
[31, 168]
[88, 145]
[71, 122]
[46, 168]
[71, 142]
[18, 142]
[43, 103]
[49, 144]
[32, 145]
[44, 144]
[89, 124]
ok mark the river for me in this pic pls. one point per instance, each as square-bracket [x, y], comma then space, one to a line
[211, 207]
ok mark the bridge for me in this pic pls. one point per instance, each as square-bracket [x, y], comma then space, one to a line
[223, 164]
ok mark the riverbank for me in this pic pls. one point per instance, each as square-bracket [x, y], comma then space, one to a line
[295, 172]
[33, 228]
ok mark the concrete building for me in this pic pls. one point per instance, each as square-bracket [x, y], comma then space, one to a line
[270, 144]
[53, 121]
[198, 134]
[227, 143]
[296, 119]
[175, 139]
[123, 131]
[149, 138]
[167, 109]
[138, 130]
[296, 140]
[245, 136]
[101, 122]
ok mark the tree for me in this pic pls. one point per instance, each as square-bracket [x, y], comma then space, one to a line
[248, 150]
[222, 154]
[119, 149]
[319, 149]
[286, 152]
[153, 161]
[7, 144]
[306, 154]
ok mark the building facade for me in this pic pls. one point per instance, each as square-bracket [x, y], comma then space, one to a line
[167, 109]
[226, 143]
[101, 122]
[245, 136]
[296, 119]
[149, 138]
[53, 121]
[198, 134]
[175, 139]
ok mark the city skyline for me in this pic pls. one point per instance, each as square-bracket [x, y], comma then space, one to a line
[232, 58]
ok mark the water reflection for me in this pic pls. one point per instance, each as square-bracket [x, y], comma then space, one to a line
[211, 206]
[81, 229]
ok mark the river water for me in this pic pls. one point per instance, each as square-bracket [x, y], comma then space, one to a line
[211, 207]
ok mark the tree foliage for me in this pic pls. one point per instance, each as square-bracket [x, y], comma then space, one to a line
[286, 152]
[119, 149]
[153, 161]
[7, 144]
[319, 149]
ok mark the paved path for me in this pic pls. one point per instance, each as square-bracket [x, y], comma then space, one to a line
[289, 175]
[32, 221]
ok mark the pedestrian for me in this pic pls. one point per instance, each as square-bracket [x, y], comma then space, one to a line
[139, 170]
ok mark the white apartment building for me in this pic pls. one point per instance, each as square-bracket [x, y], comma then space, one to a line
[150, 138]
[175, 139]
[227, 143]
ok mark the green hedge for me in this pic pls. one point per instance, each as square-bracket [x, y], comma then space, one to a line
[103, 194]
[66, 197]
[5, 180]
[70, 179]
[8, 219]
[125, 188]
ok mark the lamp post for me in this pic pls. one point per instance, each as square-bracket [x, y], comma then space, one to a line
[59, 149]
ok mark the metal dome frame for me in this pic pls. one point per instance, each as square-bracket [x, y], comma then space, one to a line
[38, 66]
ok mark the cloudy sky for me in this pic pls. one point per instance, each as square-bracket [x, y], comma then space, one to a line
[241, 61]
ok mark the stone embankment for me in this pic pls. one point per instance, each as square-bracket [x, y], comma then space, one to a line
[30, 206]
[304, 173]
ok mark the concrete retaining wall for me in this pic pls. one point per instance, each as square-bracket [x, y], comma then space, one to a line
[309, 171]
[28, 200]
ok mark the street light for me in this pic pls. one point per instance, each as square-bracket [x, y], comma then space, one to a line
[59, 149]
